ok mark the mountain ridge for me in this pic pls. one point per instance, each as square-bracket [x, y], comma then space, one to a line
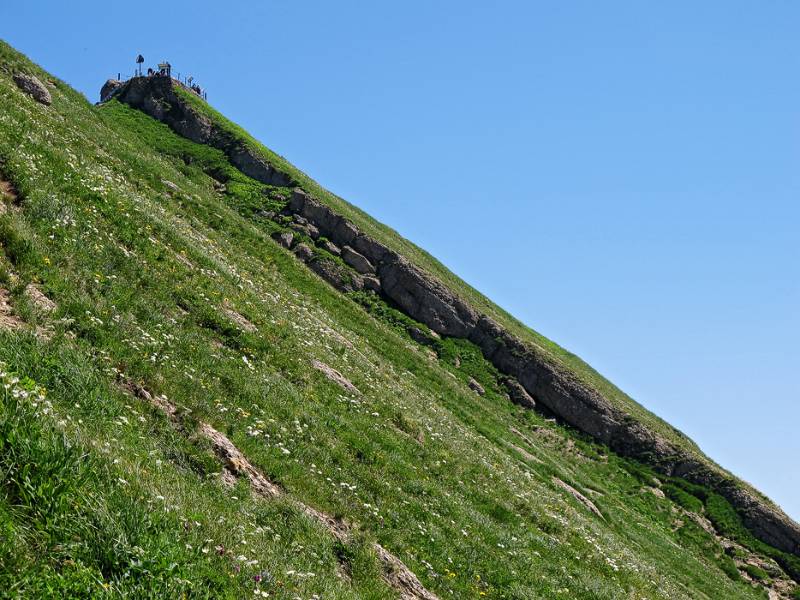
[429, 302]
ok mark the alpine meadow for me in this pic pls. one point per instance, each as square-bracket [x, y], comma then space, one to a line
[221, 380]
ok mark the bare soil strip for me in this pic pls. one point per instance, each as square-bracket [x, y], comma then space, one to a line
[578, 496]
[395, 572]
[8, 320]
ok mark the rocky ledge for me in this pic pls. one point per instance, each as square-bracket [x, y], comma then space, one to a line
[541, 380]
[157, 97]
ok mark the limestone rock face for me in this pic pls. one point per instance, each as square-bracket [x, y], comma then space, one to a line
[257, 168]
[34, 88]
[534, 380]
[372, 283]
[328, 223]
[425, 299]
[373, 250]
[108, 89]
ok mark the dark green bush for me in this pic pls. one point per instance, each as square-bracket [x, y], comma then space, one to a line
[756, 572]
[685, 499]
[729, 568]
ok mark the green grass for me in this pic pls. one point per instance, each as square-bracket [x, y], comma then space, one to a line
[756, 572]
[684, 498]
[123, 504]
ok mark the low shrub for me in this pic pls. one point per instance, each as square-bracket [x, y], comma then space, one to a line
[756, 572]
[684, 498]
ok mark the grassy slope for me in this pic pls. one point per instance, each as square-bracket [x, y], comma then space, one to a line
[459, 486]
[418, 256]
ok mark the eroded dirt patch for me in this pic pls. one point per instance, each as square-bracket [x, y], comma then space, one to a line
[41, 302]
[578, 496]
[8, 320]
[236, 465]
[8, 192]
[335, 376]
[241, 321]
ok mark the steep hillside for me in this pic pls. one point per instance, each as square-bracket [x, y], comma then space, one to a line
[224, 381]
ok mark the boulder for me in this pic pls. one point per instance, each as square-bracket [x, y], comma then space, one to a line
[476, 387]
[299, 227]
[519, 394]
[284, 238]
[372, 283]
[332, 248]
[33, 87]
[307, 229]
[312, 231]
[419, 336]
[108, 89]
[303, 252]
[356, 260]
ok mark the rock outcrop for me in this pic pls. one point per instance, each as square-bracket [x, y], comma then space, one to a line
[540, 381]
[476, 387]
[536, 380]
[519, 394]
[284, 239]
[357, 261]
[108, 89]
[157, 97]
[34, 88]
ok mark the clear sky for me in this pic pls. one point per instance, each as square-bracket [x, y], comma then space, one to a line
[622, 176]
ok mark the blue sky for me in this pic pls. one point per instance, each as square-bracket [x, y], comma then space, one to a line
[622, 176]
